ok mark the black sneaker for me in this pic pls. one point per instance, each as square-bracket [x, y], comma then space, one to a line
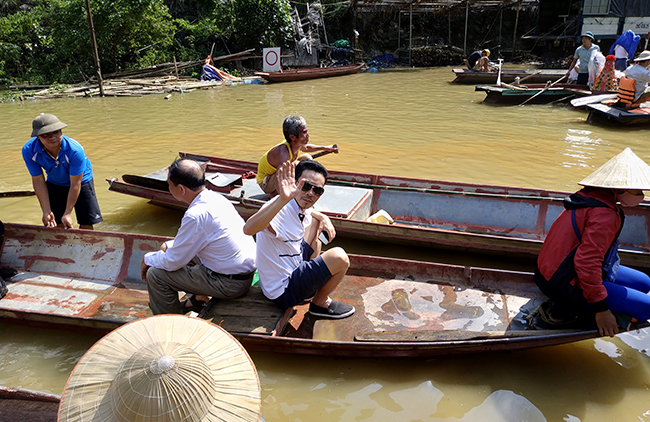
[335, 310]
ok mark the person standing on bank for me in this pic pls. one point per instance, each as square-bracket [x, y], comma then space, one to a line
[578, 266]
[290, 265]
[210, 255]
[584, 54]
[69, 175]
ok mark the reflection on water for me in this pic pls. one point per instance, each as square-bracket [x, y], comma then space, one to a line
[412, 123]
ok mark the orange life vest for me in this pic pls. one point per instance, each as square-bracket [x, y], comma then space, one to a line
[626, 90]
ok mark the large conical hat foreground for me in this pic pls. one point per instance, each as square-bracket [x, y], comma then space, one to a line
[162, 369]
[625, 171]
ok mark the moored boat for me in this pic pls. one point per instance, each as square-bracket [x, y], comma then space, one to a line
[602, 113]
[293, 75]
[22, 405]
[472, 218]
[531, 93]
[469, 76]
[89, 281]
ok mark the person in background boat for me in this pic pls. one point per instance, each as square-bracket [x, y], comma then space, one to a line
[69, 172]
[296, 147]
[625, 44]
[479, 61]
[211, 73]
[289, 232]
[210, 255]
[583, 53]
[578, 266]
[606, 80]
[641, 75]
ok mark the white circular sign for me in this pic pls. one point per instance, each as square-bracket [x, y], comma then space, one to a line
[271, 57]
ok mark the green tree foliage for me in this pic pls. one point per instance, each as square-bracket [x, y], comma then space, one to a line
[261, 23]
[49, 40]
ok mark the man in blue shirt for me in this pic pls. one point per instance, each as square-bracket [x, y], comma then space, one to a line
[583, 53]
[69, 175]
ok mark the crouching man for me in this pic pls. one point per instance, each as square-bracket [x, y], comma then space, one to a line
[210, 255]
[290, 265]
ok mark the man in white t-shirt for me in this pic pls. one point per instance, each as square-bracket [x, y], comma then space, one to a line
[289, 263]
[210, 255]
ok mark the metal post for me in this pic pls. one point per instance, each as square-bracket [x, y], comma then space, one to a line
[514, 36]
[98, 68]
[466, 18]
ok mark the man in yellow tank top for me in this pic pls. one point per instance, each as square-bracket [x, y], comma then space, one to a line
[296, 147]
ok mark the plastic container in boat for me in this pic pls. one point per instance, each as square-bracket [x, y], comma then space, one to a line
[381, 217]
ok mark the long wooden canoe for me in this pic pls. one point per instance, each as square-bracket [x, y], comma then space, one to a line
[533, 76]
[472, 218]
[601, 113]
[310, 73]
[23, 405]
[89, 281]
[517, 94]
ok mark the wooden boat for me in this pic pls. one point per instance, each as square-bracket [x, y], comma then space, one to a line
[601, 113]
[472, 218]
[23, 405]
[473, 77]
[90, 281]
[582, 102]
[517, 94]
[310, 73]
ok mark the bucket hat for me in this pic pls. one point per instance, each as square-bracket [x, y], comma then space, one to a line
[645, 55]
[46, 123]
[161, 369]
[588, 34]
[624, 171]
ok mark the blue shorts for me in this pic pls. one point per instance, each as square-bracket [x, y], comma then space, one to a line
[307, 279]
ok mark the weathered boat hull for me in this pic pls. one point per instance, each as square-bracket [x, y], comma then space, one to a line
[530, 93]
[601, 113]
[89, 281]
[310, 73]
[468, 76]
[479, 219]
[23, 405]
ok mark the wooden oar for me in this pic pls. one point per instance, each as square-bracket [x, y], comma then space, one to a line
[529, 76]
[322, 153]
[17, 193]
[543, 90]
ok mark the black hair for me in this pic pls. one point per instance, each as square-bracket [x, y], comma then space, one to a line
[181, 172]
[310, 165]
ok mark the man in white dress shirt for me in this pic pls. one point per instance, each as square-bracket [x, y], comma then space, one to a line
[210, 255]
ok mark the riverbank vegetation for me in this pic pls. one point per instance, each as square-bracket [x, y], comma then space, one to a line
[49, 41]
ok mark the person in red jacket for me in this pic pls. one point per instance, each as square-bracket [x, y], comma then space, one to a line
[578, 266]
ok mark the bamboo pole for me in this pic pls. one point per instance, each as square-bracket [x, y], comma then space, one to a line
[514, 35]
[98, 68]
[466, 19]
[175, 67]
[410, 30]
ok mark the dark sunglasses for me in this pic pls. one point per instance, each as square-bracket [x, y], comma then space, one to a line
[318, 190]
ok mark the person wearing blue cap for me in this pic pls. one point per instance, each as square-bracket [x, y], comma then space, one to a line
[584, 53]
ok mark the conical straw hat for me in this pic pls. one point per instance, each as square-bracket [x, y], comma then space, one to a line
[624, 171]
[162, 369]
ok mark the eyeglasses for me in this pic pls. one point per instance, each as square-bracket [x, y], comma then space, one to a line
[318, 190]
